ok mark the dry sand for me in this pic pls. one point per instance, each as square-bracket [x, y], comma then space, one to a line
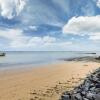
[43, 83]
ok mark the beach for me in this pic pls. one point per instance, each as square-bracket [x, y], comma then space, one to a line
[44, 83]
[49, 49]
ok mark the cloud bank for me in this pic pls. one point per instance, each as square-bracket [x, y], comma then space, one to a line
[84, 25]
[16, 39]
[38, 23]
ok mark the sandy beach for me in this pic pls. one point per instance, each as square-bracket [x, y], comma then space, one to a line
[43, 83]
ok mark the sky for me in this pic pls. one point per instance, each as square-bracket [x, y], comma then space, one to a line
[50, 25]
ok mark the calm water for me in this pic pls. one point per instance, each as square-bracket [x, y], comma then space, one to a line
[37, 58]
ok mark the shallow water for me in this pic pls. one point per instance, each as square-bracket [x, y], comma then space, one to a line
[38, 57]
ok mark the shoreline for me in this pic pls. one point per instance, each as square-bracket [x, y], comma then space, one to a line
[27, 66]
[45, 83]
[62, 60]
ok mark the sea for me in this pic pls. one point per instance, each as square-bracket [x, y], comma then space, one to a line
[19, 59]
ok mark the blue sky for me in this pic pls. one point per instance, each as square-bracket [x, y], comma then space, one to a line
[50, 25]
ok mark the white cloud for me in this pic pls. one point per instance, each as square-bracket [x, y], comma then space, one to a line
[98, 3]
[33, 28]
[64, 44]
[11, 8]
[37, 41]
[49, 39]
[95, 36]
[16, 39]
[11, 34]
[84, 26]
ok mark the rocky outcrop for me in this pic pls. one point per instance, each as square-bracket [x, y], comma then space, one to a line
[86, 58]
[88, 90]
[91, 53]
[98, 58]
[2, 54]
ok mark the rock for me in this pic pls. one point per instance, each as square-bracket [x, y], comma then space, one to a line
[65, 97]
[90, 53]
[92, 89]
[97, 86]
[90, 96]
[97, 96]
[85, 99]
[76, 97]
[97, 90]
[98, 58]
[2, 54]
[83, 93]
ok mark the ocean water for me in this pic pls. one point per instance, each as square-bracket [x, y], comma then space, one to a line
[36, 58]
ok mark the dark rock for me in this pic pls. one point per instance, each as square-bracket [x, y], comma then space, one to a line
[90, 53]
[97, 86]
[90, 96]
[97, 96]
[2, 54]
[76, 97]
[65, 97]
[85, 99]
[98, 58]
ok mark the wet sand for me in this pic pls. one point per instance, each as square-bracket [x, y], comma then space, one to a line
[43, 83]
